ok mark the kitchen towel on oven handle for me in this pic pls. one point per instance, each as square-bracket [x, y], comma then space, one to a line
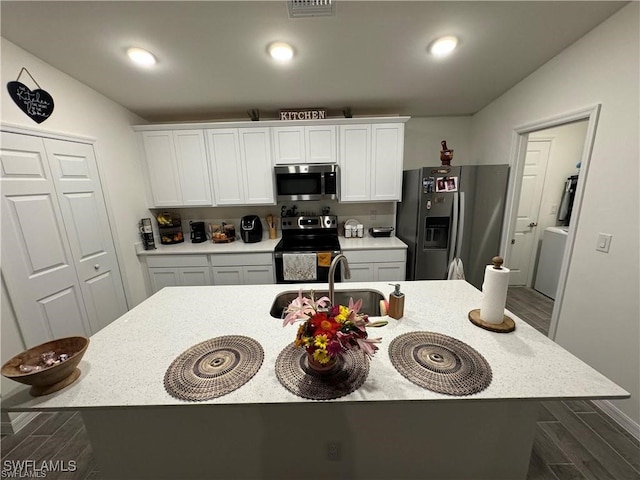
[324, 259]
[299, 267]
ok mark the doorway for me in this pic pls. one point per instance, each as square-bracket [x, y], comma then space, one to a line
[537, 181]
[553, 155]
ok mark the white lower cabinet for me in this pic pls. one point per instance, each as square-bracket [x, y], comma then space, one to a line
[243, 275]
[214, 269]
[181, 276]
[376, 265]
[178, 270]
[243, 269]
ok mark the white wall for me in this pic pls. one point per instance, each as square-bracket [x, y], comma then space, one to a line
[600, 317]
[422, 137]
[81, 111]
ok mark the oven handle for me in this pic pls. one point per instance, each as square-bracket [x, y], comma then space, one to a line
[333, 253]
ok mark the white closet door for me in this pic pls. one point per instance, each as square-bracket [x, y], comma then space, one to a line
[75, 176]
[37, 263]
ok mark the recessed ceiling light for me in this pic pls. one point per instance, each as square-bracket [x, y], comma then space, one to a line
[443, 46]
[141, 57]
[283, 52]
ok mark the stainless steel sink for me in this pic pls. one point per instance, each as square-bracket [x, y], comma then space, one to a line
[370, 300]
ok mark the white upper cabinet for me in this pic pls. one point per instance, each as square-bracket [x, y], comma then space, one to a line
[288, 145]
[226, 166]
[386, 161]
[320, 144]
[231, 163]
[255, 148]
[304, 144]
[193, 167]
[160, 156]
[241, 166]
[370, 161]
[178, 168]
[355, 161]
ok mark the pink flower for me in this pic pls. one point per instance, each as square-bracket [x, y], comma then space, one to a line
[320, 303]
[367, 345]
[334, 347]
[299, 309]
[355, 307]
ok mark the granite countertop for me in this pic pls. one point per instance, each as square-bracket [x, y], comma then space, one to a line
[371, 243]
[126, 361]
[266, 245]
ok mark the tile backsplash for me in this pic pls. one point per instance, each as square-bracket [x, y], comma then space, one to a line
[382, 214]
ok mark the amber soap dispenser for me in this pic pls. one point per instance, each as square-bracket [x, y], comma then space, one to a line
[396, 302]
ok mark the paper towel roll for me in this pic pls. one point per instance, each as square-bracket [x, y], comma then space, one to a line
[494, 294]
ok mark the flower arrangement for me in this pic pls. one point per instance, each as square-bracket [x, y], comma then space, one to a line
[327, 330]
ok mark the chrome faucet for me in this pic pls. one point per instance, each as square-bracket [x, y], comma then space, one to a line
[332, 270]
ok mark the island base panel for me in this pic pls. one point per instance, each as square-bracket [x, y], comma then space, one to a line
[463, 439]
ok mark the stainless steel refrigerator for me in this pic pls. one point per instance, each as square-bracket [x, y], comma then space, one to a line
[451, 212]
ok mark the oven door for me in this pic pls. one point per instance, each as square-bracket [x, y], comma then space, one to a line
[305, 267]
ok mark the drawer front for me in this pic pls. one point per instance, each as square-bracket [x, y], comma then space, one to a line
[231, 260]
[376, 256]
[177, 261]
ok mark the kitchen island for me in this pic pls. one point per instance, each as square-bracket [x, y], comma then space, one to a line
[388, 428]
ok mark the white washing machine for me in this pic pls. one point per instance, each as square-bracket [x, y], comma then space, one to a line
[554, 240]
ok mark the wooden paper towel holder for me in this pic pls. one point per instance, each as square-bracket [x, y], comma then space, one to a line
[507, 325]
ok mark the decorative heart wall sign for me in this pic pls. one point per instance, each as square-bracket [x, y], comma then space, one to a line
[38, 104]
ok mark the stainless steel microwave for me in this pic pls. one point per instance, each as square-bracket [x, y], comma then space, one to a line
[307, 182]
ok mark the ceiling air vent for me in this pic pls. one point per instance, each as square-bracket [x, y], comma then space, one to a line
[310, 8]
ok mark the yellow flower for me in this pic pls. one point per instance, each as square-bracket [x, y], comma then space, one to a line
[321, 341]
[308, 341]
[343, 314]
[321, 355]
[299, 341]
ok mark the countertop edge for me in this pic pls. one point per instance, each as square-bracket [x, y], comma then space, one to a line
[265, 246]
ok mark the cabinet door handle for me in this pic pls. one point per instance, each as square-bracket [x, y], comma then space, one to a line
[96, 266]
[533, 224]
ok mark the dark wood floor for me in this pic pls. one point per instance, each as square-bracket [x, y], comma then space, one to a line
[574, 439]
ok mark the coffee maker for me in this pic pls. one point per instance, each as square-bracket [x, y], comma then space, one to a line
[146, 232]
[198, 234]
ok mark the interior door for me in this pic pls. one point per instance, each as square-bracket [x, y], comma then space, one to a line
[75, 175]
[523, 248]
[37, 262]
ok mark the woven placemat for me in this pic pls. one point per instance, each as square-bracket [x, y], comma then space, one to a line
[295, 375]
[213, 368]
[440, 363]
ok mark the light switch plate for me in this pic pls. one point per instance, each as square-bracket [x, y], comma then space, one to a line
[604, 242]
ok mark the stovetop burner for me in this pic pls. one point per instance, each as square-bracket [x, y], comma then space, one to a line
[309, 234]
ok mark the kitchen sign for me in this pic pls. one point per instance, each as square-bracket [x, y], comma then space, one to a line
[37, 104]
[304, 114]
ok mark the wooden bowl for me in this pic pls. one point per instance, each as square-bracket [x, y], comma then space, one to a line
[53, 378]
